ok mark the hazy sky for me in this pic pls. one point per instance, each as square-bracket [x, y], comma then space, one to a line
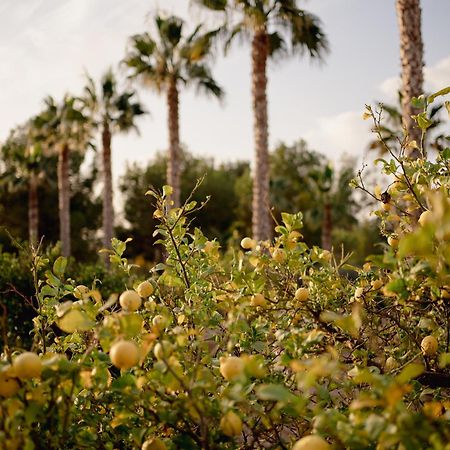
[46, 45]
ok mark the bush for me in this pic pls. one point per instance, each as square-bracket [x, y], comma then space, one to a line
[257, 348]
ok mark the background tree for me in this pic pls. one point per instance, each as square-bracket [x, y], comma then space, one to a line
[219, 216]
[85, 206]
[302, 180]
[166, 62]
[409, 18]
[25, 164]
[63, 128]
[116, 112]
[276, 28]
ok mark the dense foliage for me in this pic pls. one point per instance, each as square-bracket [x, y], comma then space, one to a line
[260, 347]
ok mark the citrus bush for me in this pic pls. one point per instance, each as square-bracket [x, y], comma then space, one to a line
[269, 345]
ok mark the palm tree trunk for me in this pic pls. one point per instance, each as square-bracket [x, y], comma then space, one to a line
[261, 221]
[33, 210]
[64, 200]
[411, 56]
[327, 226]
[173, 162]
[108, 211]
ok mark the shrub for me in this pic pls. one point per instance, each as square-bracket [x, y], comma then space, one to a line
[343, 360]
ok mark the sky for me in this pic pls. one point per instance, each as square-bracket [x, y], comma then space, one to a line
[46, 46]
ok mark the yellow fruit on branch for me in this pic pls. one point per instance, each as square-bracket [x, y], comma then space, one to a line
[426, 218]
[154, 444]
[145, 289]
[159, 321]
[279, 255]
[130, 300]
[162, 350]
[231, 367]
[311, 442]
[392, 241]
[81, 291]
[124, 354]
[429, 345]
[248, 243]
[377, 284]
[8, 385]
[258, 300]
[359, 293]
[301, 294]
[231, 424]
[27, 365]
[391, 364]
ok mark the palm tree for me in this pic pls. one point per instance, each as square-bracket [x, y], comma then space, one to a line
[116, 112]
[276, 27]
[411, 57]
[165, 63]
[63, 128]
[25, 163]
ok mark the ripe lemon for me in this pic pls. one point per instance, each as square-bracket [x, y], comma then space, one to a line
[258, 300]
[392, 241]
[154, 444]
[80, 291]
[279, 255]
[231, 367]
[426, 218]
[8, 386]
[231, 424]
[311, 442]
[391, 364]
[130, 300]
[209, 247]
[145, 289]
[377, 284]
[359, 293]
[159, 321]
[124, 354]
[301, 294]
[162, 350]
[27, 365]
[429, 345]
[248, 243]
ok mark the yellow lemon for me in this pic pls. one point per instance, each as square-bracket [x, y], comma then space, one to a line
[130, 300]
[124, 354]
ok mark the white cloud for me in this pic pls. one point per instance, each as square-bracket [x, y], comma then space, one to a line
[342, 133]
[436, 77]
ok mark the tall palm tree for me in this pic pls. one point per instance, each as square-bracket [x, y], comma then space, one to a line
[25, 164]
[275, 27]
[115, 111]
[63, 128]
[165, 63]
[411, 57]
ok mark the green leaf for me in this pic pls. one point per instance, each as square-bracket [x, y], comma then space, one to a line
[410, 372]
[440, 93]
[131, 324]
[274, 392]
[444, 360]
[52, 280]
[423, 121]
[59, 266]
[75, 320]
[167, 190]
